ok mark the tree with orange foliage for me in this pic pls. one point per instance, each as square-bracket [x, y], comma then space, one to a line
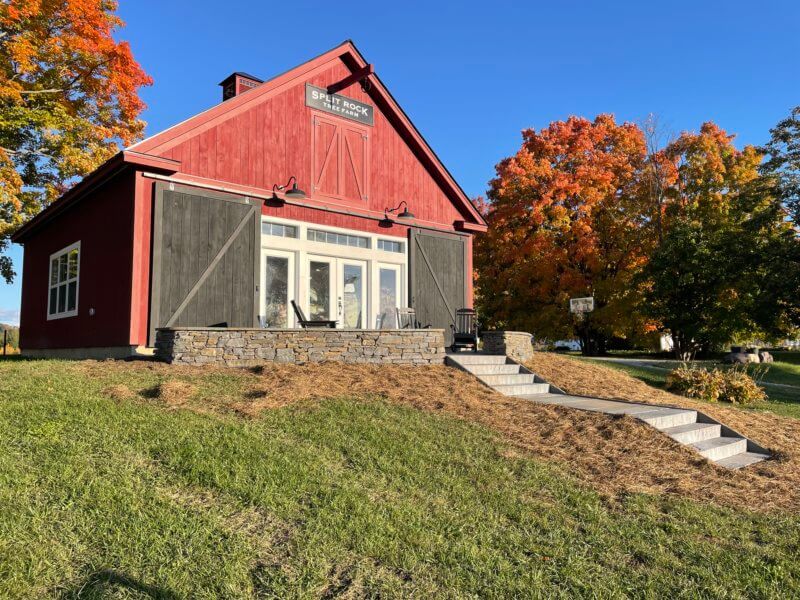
[567, 217]
[68, 96]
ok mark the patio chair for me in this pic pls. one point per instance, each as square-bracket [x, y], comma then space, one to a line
[305, 323]
[406, 318]
[465, 330]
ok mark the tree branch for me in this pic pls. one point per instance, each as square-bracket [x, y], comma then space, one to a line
[37, 152]
[50, 91]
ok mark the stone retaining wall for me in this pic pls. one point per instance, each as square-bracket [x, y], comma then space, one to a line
[516, 344]
[250, 347]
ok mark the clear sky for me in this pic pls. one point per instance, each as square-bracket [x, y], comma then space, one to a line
[473, 75]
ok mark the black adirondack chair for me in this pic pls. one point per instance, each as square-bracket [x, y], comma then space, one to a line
[305, 323]
[465, 330]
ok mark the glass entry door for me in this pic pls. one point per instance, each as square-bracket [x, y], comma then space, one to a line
[388, 295]
[277, 283]
[321, 293]
[337, 291]
[352, 300]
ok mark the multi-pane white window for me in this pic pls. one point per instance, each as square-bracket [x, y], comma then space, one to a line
[278, 229]
[343, 239]
[391, 246]
[63, 288]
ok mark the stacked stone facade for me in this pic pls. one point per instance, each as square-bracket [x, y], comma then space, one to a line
[250, 347]
[516, 344]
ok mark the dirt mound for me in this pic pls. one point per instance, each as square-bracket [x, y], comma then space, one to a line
[119, 392]
[175, 392]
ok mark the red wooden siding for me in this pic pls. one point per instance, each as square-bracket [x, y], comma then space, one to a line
[274, 138]
[103, 223]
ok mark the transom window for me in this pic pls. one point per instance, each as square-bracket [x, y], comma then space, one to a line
[391, 246]
[279, 230]
[63, 288]
[343, 239]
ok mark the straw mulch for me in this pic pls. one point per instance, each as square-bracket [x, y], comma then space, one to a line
[614, 455]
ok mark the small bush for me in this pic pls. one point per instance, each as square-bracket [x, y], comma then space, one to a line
[733, 385]
[741, 387]
[696, 383]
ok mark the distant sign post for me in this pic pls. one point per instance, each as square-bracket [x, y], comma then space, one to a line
[580, 306]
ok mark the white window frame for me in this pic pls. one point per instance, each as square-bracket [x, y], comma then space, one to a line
[67, 281]
[305, 250]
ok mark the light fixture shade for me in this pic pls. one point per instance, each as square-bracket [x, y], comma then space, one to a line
[295, 192]
[406, 215]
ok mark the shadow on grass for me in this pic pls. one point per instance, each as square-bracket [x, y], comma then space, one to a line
[102, 584]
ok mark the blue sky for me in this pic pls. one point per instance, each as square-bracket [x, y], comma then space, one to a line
[473, 75]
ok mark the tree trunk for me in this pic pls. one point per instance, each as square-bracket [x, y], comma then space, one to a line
[593, 343]
[683, 348]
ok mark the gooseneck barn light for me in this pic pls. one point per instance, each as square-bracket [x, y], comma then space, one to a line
[295, 193]
[406, 215]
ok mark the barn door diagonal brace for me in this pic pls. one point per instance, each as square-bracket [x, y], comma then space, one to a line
[211, 266]
[450, 311]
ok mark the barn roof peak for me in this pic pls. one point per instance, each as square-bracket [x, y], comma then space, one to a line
[350, 55]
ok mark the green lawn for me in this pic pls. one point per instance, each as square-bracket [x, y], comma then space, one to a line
[130, 499]
[782, 400]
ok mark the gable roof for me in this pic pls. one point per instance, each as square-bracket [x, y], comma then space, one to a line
[353, 60]
[118, 163]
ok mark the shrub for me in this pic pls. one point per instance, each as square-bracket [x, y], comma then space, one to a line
[741, 387]
[733, 385]
[696, 383]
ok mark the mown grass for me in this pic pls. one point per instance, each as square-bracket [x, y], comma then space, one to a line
[783, 401]
[130, 498]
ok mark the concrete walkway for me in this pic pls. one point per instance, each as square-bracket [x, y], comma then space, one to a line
[710, 438]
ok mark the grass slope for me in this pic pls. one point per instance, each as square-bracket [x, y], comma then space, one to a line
[107, 496]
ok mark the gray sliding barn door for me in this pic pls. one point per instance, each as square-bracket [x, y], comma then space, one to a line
[438, 278]
[205, 259]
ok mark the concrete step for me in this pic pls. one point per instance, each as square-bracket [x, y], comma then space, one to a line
[525, 389]
[515, 379]
[464, 358]
[662, 418]
[481, 370]
[693, 432]
[737, 461]
[722, 447]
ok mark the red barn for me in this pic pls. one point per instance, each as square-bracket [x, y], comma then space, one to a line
[313, 186]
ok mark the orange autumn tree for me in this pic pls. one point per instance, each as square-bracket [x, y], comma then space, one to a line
[68, 97]
[568, 217]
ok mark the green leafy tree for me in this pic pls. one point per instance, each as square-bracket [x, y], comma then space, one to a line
[721, 271]
[783, 161]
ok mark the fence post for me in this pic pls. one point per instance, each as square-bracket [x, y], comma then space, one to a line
[5, 340]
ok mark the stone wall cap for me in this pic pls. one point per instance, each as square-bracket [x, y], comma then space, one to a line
[314, 329]
[498, 331]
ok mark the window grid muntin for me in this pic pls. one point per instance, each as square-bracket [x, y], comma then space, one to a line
[62, 293]
[391, 246]
[340, 239]
[279, 229]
